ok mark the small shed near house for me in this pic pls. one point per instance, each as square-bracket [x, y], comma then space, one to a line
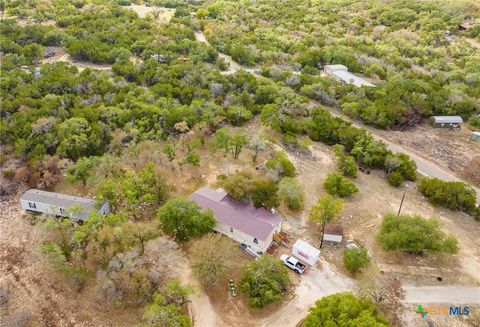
[446, 121]
[305, 252]
[464, 26]
[333, 233]
[476, 136]
[59, 204]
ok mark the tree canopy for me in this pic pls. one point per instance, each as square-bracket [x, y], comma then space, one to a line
[264, 280]
[184, 219]
[414, 234]
[343, 309]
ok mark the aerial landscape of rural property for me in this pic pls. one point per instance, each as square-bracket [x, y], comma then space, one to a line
[241, 163]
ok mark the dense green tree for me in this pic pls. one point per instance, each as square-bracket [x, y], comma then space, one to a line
[370, 152]
[326, 209]
[282, 164]
[452, 195]
[264, 280]
[263, 192]
[395, 179]
[184, 219]
[238, 185]
[82, 170]
[221, 140]
[414, 234]
[343, 309]
[354, 259]
[237, 142]
[346, 164]
[338, 185]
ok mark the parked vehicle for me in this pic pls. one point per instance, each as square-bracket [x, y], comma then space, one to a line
[248, 249]
[293, 263]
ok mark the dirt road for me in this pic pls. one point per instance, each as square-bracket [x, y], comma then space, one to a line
[451, 294]
[233, 65]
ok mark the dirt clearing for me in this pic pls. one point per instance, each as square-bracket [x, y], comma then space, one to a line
[161, 14]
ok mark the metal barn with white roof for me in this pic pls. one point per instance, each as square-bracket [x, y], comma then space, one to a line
[341, 73]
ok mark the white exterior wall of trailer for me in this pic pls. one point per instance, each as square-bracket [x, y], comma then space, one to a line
[39, 207]
[305, 252]
[239, 236]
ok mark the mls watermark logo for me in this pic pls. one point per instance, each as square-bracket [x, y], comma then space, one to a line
[438, 310]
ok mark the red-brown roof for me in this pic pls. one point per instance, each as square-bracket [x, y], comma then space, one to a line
[257, 222]
[333, 229]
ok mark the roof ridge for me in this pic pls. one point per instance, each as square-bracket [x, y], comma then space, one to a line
[235, 209]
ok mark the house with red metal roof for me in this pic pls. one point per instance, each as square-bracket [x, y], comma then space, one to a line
[240, 221]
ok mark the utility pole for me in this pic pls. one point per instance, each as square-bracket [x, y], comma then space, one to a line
[401, 204]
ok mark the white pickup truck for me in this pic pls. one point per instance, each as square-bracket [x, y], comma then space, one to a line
[293, 264]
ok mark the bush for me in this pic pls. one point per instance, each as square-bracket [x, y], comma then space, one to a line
[338, 185]
[264, 280]
[414, 234]
[326, 209]
[401, 163]
[452, 195]
[355, 259]
[291, 193]
[343, 309]
[395, 179]
[183, 218]
[474, 121]
[281, 163]
[244, 186]
[263, 192]
[238, 185]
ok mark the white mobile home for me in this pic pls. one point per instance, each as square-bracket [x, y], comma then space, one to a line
[239, 221]
[451, 122]
[59, 204]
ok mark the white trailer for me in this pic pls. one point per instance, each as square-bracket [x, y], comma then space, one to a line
[305, 252]
[61, 204]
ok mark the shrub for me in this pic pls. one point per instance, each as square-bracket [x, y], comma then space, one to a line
[326, 209]
[395, 179]
[244, 186]
[281, 163]
[414, 234]
[183, 218]
[338, 185]
[238, 185]
[401, 163]
[263, 192]
[264, 280]
[355, 259]
[343, 309]
[291, 193]
[452, 195]
[474, 121]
